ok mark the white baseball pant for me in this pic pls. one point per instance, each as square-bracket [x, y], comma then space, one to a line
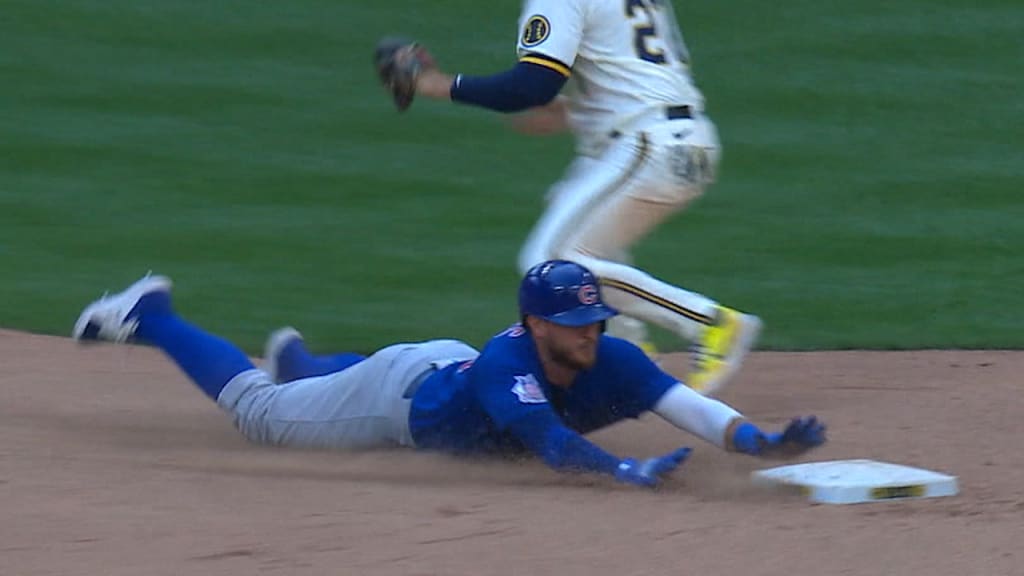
[604, 204]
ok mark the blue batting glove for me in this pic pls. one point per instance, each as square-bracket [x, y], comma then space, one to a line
[648, 472]
[800, 435]
[804, 431]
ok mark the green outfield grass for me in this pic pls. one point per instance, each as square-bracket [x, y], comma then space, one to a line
[869, 198]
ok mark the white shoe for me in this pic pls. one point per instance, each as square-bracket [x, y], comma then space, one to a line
[110, 318]
[276, 343]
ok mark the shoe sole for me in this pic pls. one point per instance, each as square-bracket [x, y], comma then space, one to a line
[87, 331]
[749, 333]
[276, 342]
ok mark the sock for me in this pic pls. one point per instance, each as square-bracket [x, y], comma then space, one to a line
[209, 361]
[295, 362]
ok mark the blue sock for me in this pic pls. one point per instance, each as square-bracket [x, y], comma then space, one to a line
[295, 362]
[210, 361]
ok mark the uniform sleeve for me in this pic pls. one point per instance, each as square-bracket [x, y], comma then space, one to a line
[516, 402]
[560, 447]
[640, 380]
[704, 417]
[550, 32]
[507, 395]
[526, 85]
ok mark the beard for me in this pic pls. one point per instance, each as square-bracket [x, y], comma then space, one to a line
[574, 359]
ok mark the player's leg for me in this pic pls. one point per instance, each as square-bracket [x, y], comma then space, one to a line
[366, 405]
[634, 187]
[617, 250]
[143, 312]
[600, 188]
[285, 358]
[681, 162]
[363, 406]
[637, 294]
[542, 243]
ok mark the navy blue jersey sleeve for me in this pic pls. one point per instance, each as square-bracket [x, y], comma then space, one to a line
[526, 85]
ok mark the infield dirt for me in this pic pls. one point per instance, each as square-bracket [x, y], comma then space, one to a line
[112, 463]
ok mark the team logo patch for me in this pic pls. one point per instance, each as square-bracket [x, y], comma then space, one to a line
[588, 294]
[528, 390]
[536, 30]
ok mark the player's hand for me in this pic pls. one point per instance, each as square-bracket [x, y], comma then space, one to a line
[648, 472]
[800, 435]
[400, 63]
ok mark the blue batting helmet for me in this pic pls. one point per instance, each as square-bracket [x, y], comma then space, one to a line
[564, 293]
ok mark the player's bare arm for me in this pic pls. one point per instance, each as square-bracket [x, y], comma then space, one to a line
[548, 119]
[435, 84]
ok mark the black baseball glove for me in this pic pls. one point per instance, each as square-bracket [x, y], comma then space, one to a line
[399, 62]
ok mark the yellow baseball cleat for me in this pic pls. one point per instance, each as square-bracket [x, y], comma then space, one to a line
[719, 353]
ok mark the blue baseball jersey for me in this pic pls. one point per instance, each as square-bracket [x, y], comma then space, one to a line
[473, 406]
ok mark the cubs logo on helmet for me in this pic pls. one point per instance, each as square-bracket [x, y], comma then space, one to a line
[588, 294]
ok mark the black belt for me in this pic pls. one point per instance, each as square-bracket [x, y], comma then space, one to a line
[671, 113]
[418, 381]
[679, 113]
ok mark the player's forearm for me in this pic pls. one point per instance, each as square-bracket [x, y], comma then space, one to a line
[551, 118]
[561, 448]
[718, 422]
[704, 417]
[524, 86]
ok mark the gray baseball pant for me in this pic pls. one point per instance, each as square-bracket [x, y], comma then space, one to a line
[364, 406]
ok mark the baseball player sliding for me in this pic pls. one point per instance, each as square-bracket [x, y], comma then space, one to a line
[645, 150]
[536, 387]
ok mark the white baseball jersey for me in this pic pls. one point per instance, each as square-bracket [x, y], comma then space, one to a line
[639, 159]
[626, 57]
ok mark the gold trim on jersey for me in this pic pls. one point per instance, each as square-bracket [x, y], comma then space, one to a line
[548, 63]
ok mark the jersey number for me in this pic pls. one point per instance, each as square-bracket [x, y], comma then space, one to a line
[642, 33]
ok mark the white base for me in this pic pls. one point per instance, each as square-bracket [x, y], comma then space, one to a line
[853, 481]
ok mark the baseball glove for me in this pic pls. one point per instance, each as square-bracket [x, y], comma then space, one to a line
[399, 62]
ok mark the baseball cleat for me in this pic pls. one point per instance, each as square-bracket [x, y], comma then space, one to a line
[277, 346]
[114, 317]
[719, 353]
